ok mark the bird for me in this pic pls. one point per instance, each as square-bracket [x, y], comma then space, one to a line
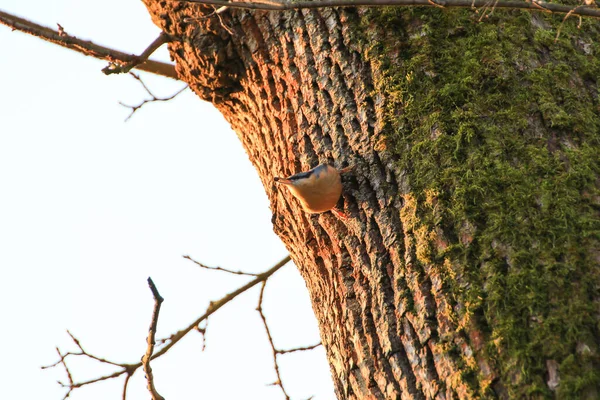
[318, 189]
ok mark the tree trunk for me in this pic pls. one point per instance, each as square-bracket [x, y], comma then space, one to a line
[469, 265]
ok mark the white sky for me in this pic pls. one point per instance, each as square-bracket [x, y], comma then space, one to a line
[90, 206]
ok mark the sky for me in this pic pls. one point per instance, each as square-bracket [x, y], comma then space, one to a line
[91, 205]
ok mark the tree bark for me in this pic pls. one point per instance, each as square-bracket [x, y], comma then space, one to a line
[469, 265]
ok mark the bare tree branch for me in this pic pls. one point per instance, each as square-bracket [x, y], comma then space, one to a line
[314, 346]
[279, 382]
[219, 268]
[215, 305]
[281, 5]
[125, 386]
[151, 335]
[124, 68]
[276, 352]
[61, 38]
[153, 99]
[129, 369]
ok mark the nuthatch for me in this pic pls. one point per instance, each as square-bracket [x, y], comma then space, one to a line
[318, 189]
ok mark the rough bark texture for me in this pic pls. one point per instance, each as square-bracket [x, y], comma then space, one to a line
[469, 264]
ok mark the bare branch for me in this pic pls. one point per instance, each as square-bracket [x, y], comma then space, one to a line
[215, 305]
[124, 68]
[61, 38]
[279, 382]
[563, 22]
[151, 335]
[69, 376]
[282, 5]
[202, 17]
[85, 353]
[153, 99]
[129, 369]
[223, 24]
[219, 268]
[314, 346]
[125, 385]
[274, 349]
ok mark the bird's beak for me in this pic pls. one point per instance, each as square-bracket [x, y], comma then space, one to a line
[283, 181]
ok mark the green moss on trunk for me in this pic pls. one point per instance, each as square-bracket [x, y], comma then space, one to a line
[502, 125]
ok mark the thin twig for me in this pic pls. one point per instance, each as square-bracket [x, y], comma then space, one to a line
[61, 38]
[563, 22]
[153, 99]
[82, 352]
[276, 352]
[203, 17]
[215, 305]
[113, 68]
[127, 369]
[282, 5]
[219, 268]
[484, 13]
[436, 4]
[69, 376]
[125, 386]
[223, 24]
[540, 7]
[151, 335]
[493, 8]
[279, 382]
[314, 346]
